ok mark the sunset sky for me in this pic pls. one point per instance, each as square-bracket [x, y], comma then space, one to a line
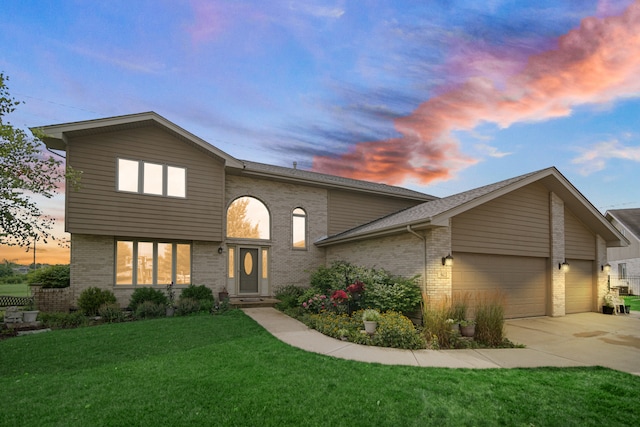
[439, 96]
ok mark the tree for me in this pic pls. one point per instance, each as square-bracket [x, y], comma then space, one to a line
[238, 225]
[26, 169]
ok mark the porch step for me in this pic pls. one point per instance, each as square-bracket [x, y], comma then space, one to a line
[247, 302]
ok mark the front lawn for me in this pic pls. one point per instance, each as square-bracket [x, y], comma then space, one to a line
[227, 370]
[15, 289]
[633, 301]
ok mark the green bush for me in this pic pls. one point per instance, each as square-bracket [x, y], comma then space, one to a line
[200, 293]
[141, 295]
[150, 309]
[92, 298]
[54, 276]
[63, 320]
[436, 326]
[404, 295]
[187, 306]
[111, 313]
[397, 331]
[289, 296]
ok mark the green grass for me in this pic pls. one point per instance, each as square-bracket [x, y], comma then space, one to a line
[227, 370]
[15, 290]
[634, 302]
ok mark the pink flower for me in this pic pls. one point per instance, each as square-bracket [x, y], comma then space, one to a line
[356, 287]
[339, 296]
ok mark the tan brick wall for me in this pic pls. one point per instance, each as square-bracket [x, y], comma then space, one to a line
[287, 266]
[439, 277]
[602, 277]
[558, 307]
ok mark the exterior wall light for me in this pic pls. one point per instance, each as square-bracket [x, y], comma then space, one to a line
[564, 266]
[220, 250]
[447, 260]
[606, 268]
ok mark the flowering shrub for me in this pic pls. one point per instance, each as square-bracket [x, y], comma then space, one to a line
[397, 331]
[317, 303]
[339, 297]
[356, 287]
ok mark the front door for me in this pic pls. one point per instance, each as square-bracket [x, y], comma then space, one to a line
[249, 264]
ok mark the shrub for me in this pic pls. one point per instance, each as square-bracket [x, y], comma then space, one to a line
[436, 326]
[141, 295]
[200, 293]
[111, 313]
[288, 296]
[63, 320]
[149, 309]
[316, 303]
[54, 276]
[397, 331]
[92, 298]
[403, 295]
[187, 306]
[490, 319]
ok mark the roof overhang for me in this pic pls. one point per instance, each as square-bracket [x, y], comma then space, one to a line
[56, 136]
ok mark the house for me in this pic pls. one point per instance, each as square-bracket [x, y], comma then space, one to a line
[625, 261]
[158, 204]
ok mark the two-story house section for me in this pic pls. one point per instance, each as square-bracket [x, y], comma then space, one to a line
[625, 261]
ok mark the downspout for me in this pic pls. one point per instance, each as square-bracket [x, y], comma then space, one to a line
[424, 261]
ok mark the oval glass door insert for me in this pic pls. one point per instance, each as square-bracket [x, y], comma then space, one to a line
[248, 263]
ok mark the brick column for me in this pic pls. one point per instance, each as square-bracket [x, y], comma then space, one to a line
[438, 281]
[602, 284]
[557, 255]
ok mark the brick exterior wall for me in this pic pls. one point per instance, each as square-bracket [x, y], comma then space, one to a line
[602, 277]
[286, 266]
[52, 299]
[558, 306]
[439, 277]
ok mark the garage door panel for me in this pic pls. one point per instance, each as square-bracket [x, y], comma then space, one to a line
[522, 279]
[579, 286]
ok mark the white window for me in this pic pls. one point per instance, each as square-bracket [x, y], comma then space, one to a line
[248, 218]
[151, 178]
[152, 263]
[299, 228]
[622, 270]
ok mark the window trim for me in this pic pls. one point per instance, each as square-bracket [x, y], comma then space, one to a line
[305, 217]
[141, 175]
[134, 261]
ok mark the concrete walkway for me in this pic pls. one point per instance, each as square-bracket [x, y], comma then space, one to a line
[585, 339]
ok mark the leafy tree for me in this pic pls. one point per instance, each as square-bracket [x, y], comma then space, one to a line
[25, 170]
[238, 225]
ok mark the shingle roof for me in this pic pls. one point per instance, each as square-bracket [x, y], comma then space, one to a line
[332, 180]
[630, 218]
[426, 212]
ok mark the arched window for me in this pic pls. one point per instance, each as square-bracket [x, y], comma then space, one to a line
[299, 228]
[248, 218]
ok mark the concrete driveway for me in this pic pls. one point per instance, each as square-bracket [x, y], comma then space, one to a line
[584, 339]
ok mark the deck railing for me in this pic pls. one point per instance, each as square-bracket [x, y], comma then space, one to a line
[629, 285]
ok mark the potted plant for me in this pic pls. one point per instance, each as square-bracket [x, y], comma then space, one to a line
[223, 295]
[370, 318]
[171, 296]
[467, 328]
[30, 314]
[455, 325]
[609, 303]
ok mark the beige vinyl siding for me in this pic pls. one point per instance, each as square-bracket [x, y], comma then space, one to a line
[579, 286]
[579, 242]
[347, 210]
[514, 224]
[98, 208]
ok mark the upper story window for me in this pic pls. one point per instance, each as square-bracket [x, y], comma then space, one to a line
[248, 218]
[137, 176]
[299, 228]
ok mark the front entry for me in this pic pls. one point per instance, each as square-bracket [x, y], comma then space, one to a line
[249, 264]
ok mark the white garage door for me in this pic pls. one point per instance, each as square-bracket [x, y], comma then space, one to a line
[522, 279]
[578, 282]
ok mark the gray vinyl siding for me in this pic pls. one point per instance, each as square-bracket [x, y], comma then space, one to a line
[579, 242]
[514, 224]
[347, 209]
[98, 208]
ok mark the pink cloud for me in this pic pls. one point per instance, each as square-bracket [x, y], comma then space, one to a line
[598, 62]
[595, 157]
[208, 21]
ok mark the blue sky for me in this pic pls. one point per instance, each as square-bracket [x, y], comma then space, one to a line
[439, 96]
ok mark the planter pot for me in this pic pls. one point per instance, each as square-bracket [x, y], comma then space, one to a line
[455, 328]
[627, 309]
[170, 311]
[370, 327]
[607, 310]
[468, 331]
[30, 316]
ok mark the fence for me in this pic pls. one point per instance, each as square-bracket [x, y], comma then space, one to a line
[629, 285]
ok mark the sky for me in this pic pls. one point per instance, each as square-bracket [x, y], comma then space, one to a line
[440, 96]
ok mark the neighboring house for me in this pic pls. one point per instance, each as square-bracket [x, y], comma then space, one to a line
[625, 261]
[158, 204]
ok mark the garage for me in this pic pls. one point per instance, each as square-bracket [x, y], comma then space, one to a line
[579, 286]
[522, 279]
